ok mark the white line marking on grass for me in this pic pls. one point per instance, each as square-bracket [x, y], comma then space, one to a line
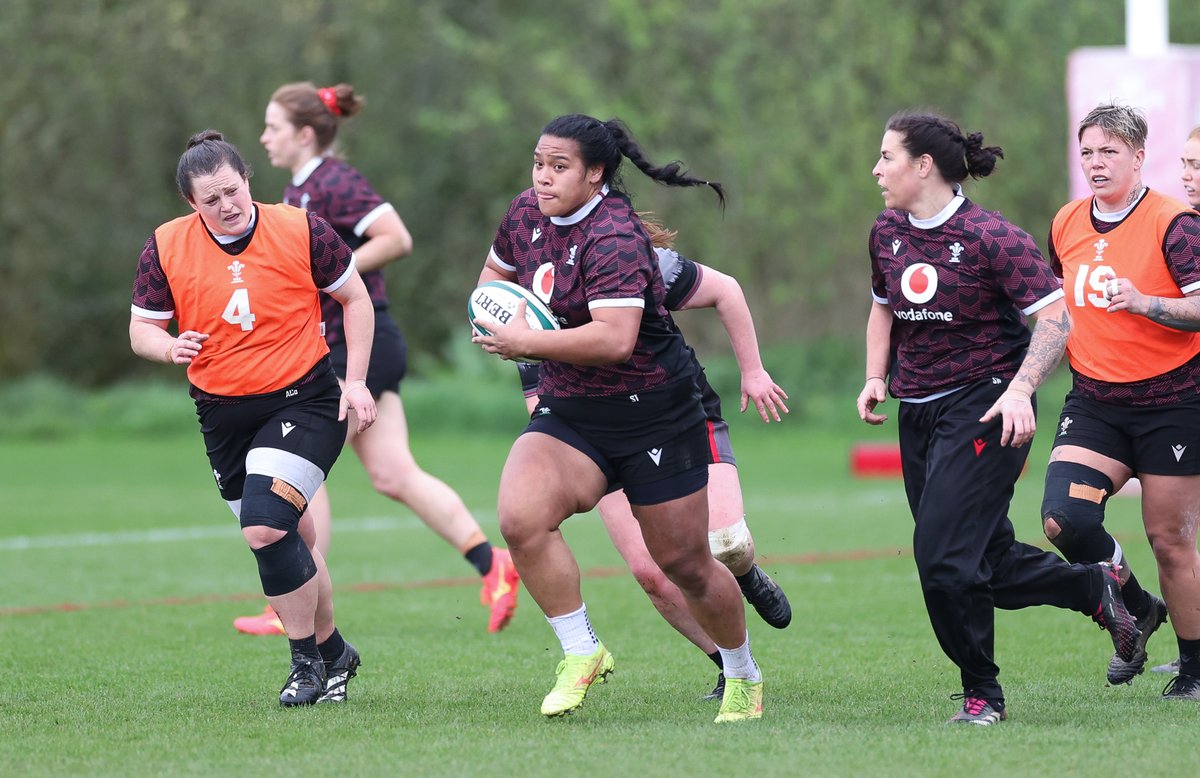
[182, 534]
[868, 497]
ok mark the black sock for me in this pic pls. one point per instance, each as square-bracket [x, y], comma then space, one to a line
[717, 660]
[1189, 657]
[480, 558]
[1137, 601]
[331, 650]
[304, 648]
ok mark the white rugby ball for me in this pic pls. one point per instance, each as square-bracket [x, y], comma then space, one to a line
[497, 301]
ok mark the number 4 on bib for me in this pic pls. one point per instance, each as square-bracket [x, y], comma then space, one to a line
[237, 311]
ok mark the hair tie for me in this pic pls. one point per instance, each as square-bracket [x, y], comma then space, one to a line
[328, 96]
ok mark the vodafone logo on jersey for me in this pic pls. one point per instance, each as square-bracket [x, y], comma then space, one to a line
[919, 283]
[543, 282]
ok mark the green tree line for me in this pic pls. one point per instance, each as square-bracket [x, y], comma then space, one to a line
[781, 100]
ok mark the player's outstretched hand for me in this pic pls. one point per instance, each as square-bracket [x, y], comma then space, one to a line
[759, 388]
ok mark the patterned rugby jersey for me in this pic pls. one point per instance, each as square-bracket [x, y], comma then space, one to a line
[959, 291]
[682, 278]
[342, 196]
[598, 256]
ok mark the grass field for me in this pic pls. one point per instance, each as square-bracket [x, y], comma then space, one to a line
[122, 570]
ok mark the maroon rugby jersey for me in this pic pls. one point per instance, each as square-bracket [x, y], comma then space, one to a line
[342, 196]
[959, 292]
[600, 253]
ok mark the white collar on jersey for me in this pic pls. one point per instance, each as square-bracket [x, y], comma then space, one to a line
[578, 216]
[303, 173]
[942, 216]
[225, 240]
[1121, 214]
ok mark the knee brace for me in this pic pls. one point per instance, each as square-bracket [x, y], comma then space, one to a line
[271, 502]
[1074, 498]
[285, 565]
[733, 545]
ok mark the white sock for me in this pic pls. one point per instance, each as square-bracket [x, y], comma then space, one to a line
[575, 632]
[739, 663]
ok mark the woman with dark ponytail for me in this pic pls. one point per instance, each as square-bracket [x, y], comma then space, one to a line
[952, 285]
[300, 135]
[617, 406]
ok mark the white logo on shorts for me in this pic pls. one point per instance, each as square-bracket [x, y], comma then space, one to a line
[1178, 451]
[537, 233]
[287, 427]
[656, 455]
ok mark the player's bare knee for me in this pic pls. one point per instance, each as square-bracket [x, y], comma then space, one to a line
[522, 530]
[733, 546]
[652, 580]
[259, 535]
[391, 484]
[1174, 553]
[685, 571]
[1050, 527]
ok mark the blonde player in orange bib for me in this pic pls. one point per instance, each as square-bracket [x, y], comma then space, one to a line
[241, 279]
[1129, 258]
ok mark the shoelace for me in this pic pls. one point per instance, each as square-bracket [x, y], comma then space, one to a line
[972, 705]
[302, 670]
[565, 680]
[1173, 684]
[736, 696]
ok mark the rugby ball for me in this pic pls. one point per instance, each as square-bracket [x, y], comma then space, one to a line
[497, 301]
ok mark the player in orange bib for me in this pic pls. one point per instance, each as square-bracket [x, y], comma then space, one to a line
[1129, 258]
[241, 279]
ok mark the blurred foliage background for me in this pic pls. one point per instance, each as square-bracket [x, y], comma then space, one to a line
[781, 100]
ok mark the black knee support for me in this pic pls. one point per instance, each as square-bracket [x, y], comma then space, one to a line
[271, 502]
[1074, 498]
[285, 565]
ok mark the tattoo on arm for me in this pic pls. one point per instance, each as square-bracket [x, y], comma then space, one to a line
[1046, 348]
[1180, 314]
